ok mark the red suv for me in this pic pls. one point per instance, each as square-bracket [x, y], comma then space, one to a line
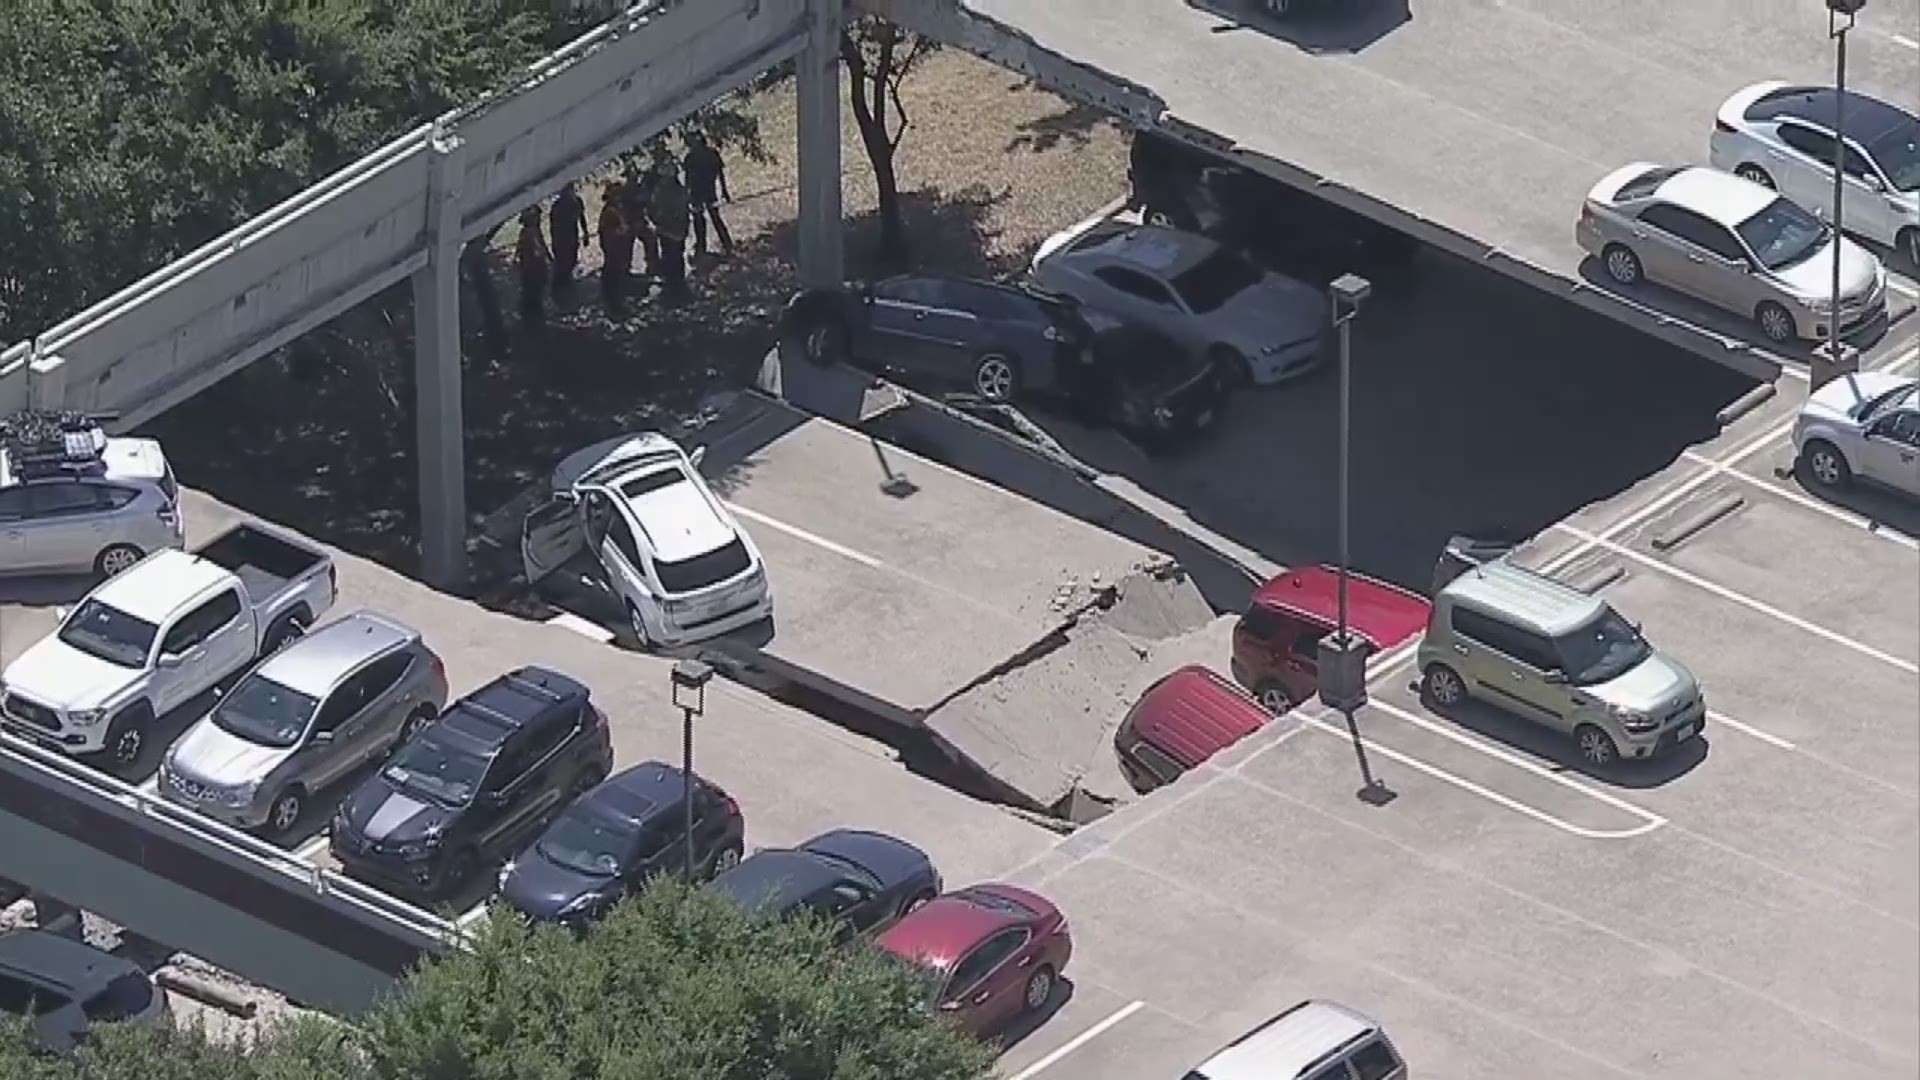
[1275, 642]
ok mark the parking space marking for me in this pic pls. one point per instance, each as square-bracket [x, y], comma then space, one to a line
[1749, 729]
[308, 850]
[1902, 39]
[1740, 598]
[1054, 1057]
[568, 620]
[1885, 532]
[799, 533]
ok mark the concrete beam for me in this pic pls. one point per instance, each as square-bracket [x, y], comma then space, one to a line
[440, 426]
[822, 232]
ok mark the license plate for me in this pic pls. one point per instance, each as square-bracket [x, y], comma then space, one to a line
[1203, 419]
[1683, 734]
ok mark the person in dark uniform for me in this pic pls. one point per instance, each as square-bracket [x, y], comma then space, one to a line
[706, 187]
[569, 221]
[639, 199]
[536, 269]
[616, 249]
[668, 209]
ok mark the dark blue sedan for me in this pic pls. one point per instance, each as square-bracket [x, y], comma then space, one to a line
[863, 880]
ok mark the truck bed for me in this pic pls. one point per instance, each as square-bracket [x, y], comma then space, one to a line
[265, 562]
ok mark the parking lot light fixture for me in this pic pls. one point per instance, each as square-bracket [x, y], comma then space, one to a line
[690, 678]
[1840, 18]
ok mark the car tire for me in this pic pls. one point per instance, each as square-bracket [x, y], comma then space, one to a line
[1622, 265]
[282, 633]
[1274, 698]
[824, 339]
[127, 735]
[1232, 365]
[916, 902]
[1776, 323]
[116, 559]
[1039, 989]
[1827, 465]
[414, 724]
[284, 812]
[724, 860]
[642, 640]
[1909, 244]
[1443, 687]
[1596, 746]
[996, 378]
[1754, 174]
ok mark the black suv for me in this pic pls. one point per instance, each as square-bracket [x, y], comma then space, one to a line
[473, 785]
[614, 839]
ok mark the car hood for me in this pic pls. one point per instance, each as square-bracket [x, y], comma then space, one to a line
[1838, 401]
[540, 889]
[1277, 311]
[1655, 684]
[381, 812]
[57, 674]
[215, 756]
[1813, 276]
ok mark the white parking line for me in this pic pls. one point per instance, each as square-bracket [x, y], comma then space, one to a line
[1077, 1042]
[1885, 532]
[569, 621]
[1742, 599]
[801, 534]
[1902, 39]
[311, 848]
[1749, 729]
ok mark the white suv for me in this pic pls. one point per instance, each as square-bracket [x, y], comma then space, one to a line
[668, 549]
[72, 499]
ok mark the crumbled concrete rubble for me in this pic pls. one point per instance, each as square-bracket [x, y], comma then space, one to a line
[1042, 725]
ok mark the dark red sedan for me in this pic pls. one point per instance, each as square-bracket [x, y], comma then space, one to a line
[998, 949]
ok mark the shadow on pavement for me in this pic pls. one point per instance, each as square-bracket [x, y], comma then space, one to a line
[1314, 26]
[1028, 1023]
[1558, 752]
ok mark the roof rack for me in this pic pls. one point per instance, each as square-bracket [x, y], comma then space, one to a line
[40, 444]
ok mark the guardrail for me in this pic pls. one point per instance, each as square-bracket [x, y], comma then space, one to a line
[57, 769]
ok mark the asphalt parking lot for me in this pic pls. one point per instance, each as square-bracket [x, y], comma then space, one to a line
[1743, 908]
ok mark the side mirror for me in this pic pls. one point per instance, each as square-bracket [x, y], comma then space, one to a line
[321, 738]
[169, 661]
[699, 455]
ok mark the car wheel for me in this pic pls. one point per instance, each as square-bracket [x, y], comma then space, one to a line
[1776, 323]
[1623, 266]
[284, 814]
[644, 639]
[1231, 365]
[1274, 698]
[1157, 217]
[915, 903]
[1754, 174]
[1443, 686]
[116, 559]
[1596, 746]
[724, 860]
[996, 378]
[1827, 465]
[282, 633]
[416, 722]
[825, 340]
[1039, 989]
[127, 736]
[1909, 244]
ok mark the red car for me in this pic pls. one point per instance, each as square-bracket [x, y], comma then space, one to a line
[998, 949]
[1275, 642]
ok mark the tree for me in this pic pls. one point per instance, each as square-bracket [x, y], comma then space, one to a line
[879, 56]
[678, 983]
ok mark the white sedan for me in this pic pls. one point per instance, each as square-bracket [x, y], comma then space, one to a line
[1864, 426]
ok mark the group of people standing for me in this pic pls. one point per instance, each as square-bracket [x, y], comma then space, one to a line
[650, 209]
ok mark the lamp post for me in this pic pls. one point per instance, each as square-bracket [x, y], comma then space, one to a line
[1343, 658]
[1840, 18]
[690, 678]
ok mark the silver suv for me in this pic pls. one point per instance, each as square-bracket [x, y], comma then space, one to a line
[72, 499]
[305, 719]
[1553, 654]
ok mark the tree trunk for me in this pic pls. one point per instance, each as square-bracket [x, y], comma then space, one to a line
[867, 94]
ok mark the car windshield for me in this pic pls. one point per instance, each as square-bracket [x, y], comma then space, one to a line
[1782, 234]
[589, 843]
[1898, 153]
[429, 766]
[1208, 284]
[1602, 649]
[262, 711]
[110, 634]
[1900, 397]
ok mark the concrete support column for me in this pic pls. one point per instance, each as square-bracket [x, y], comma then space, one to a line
[436, 381]
[822, 240]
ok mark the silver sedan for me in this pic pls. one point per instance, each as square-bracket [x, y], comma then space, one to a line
[1733, 244]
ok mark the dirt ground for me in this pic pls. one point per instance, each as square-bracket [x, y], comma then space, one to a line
[990, 166]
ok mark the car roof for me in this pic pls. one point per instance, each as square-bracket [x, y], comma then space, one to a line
[1866, 118]
[1288, 1045]
[1535, 600]
[610, 453]
[1384, 614]
[315, 663]
[777, 878]
[637, 793]
[939, 933]
[163, 582]
[134, 459]
[1194, 713]
[1161, 251]
[485, 718]
[672, 507]
[60, 961]
[1723, 197]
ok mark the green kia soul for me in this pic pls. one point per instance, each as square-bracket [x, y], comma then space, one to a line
[1555, 655]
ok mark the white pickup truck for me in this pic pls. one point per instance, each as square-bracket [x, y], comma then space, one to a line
[175, 626]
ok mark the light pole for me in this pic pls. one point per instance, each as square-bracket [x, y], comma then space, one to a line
[1343, 657]
[690, 678]
[1840, 17]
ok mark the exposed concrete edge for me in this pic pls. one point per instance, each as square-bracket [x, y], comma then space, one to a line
[1693, 524]
[207, 992]
[1746, 403]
